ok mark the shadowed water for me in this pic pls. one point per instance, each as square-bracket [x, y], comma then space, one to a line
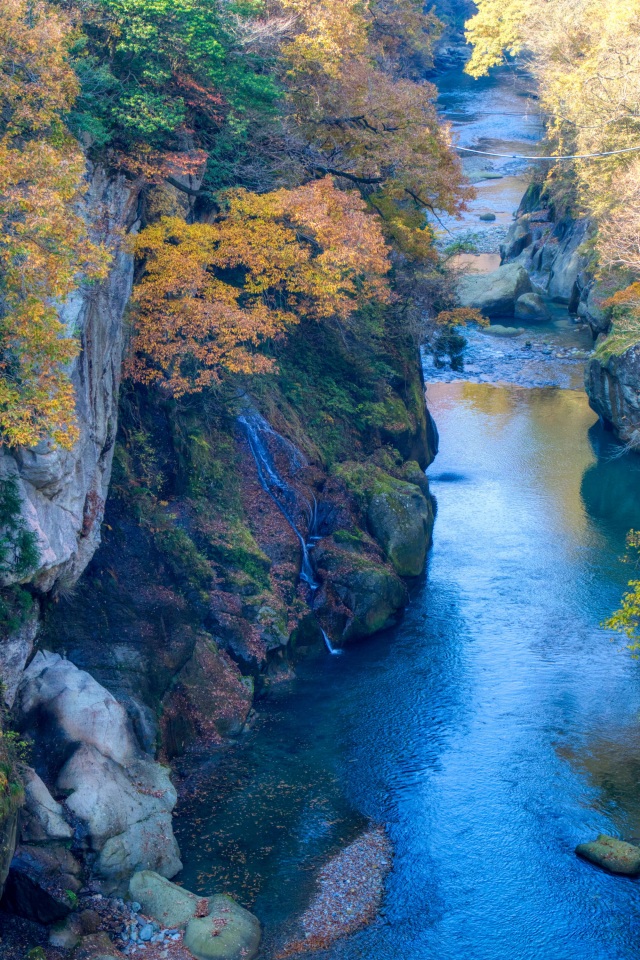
[492, 731]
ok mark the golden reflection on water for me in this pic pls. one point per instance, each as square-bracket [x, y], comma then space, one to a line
[526, 422]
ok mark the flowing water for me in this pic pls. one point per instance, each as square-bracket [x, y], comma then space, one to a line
[491, 731]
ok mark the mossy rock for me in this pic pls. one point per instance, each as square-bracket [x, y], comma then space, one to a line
[401, 520]
[613, 855]
[368, 593]
[229, 932]
[169, 904]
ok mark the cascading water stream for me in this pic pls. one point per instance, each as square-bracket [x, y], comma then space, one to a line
[288, 501]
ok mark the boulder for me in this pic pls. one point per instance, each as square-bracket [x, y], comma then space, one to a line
[359, 595]
[97, 946]
[531, 307]
[121, 800]
[611, 854]
[57, 700]
[518, 239]
[126, 814]
[166, 902]
[495, 294]
[229, 932]
[401, 520]
[487, 217]
[41, 818]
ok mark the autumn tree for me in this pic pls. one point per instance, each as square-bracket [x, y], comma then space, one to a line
[213, 293]
[363, 118]
[585, 56]
[44, 246]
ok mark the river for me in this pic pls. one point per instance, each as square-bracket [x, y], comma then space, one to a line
[491, 731]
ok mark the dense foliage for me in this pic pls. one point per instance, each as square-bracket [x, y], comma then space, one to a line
[585, 56]
[44, 244]
[213, 291]
[265, 99]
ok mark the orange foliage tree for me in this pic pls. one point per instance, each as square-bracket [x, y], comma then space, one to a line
[212, 293]
[44, 245]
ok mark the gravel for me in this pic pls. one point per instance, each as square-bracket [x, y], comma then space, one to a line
[349, 894]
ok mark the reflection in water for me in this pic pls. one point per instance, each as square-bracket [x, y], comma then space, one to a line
[610, 488]
[491, 731]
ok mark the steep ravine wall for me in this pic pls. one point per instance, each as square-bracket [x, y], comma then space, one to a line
[63, 493]
[555, 254]
[157, 643]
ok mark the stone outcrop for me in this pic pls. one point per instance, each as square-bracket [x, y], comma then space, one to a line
[228, 932]
[552, 251]
[359, 595]
[63, 491]
[495, 294]
[117, 800]
[15, 650]
[531, 308]
[216, 928]
[612, 382]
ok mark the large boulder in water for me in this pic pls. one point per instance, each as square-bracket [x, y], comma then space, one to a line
[495, 294]
[229, 932]
[531, 308]
[617, 856]
[400, 518]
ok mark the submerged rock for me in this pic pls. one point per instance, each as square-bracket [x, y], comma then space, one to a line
[349, 894]
[495, 294]
[617, 856]
[531, 307]
[229, 932]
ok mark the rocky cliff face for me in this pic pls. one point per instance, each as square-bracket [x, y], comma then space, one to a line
[553, 253]
[63, 492]
[195, 601]
[612, 382]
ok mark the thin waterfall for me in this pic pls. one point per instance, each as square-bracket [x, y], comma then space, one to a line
[260, 434]
[334, 651]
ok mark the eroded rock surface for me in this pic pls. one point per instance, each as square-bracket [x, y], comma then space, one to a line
[118, 800]
[495, 294]
[63, 491]
[612, 382]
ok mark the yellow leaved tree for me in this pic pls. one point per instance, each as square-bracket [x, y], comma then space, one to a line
[44, 246]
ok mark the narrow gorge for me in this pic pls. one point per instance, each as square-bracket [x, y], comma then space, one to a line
[301, 638]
